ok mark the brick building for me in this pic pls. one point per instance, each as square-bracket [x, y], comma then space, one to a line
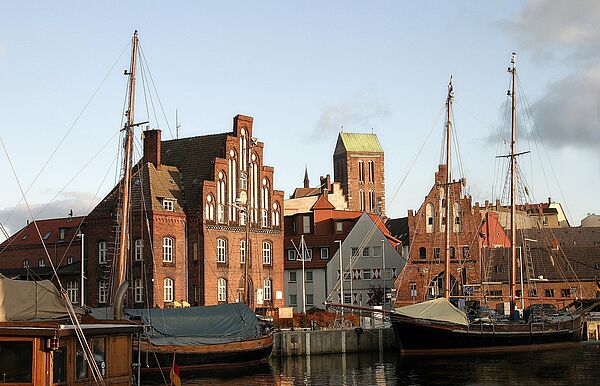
[358, 165]
[188, 225]
[23, 256]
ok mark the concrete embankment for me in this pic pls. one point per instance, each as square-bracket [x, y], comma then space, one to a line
[300, 342]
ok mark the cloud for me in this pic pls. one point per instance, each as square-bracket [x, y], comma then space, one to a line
[361, 110]
[14, 218]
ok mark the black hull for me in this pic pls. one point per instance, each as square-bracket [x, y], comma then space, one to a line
[419, 337]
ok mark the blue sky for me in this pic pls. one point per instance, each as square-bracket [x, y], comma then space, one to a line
[302, 70]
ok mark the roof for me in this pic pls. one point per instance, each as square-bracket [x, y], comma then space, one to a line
[357, 142]
[305, 192]
[322, 203]
[49, 229]
[398, 228]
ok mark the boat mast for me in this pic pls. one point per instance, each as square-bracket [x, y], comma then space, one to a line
[513, 188]
[129, 125]
[447, 190]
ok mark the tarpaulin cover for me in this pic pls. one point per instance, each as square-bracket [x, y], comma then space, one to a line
[437, 309]
[195, 326]
[22, 300]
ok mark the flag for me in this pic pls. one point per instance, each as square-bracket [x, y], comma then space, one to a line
[175, 380]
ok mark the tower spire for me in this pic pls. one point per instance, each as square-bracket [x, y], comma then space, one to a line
[306, 180]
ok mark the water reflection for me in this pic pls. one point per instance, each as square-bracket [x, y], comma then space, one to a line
[567, 366]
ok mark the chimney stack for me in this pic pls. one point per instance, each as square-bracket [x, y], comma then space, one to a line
[152, 147]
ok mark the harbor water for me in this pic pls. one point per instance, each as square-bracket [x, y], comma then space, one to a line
[569, 366]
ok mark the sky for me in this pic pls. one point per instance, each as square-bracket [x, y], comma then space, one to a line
[303, 70]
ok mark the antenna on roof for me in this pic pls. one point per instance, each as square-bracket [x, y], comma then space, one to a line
[372, 131]
[177, 124]
[342, 128]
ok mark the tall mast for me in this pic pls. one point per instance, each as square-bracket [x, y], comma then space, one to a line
[513, 187]
[129, 125]
[447, 190]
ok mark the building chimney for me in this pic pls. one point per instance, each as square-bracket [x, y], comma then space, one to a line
[152, 147]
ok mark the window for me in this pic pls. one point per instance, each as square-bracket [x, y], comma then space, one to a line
[267, 250]
[267, 289]
[265, 202]
[324, 253]
[361, 198]
[499, 268]
[15, 361]
[139, 249]
[308, 254]
[291, 253]
[47, 235]
[168, 243]
[361, 171]
[41, 262]
[221, 197]
[565, 292]
[371, 172]
[354, 251]
[347, 275]
[81, 363]
[138, 290]
[310, 300]
[376, 251]
[371, 200]
[452, 253]
[168, 205]
[265, 218]
[168, 289]
[276, 215]
[339, 227]
[242, 251]
[210, 208]
[430, 218]
[73, 291]
[195, 251]
[365, 252]
[59, 371]
[413, 290]
[533, 292]
[436, 253]
[347, 297]
[309, 276]
[422, 253]
[305, 224]
[549, 292]
[102, 252]
[102, 291]
[366, 274]
[221, 251]
[457, 227]
[293, 300]
[70, 260]
[292, 277]
[222, 290]
[62, 233]
[465, 252]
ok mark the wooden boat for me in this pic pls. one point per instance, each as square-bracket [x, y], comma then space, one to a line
[439, 327]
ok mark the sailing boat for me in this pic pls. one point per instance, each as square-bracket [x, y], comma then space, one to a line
[437, 326]
[192, 337]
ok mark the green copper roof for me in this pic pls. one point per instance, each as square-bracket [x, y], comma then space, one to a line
[358, 142]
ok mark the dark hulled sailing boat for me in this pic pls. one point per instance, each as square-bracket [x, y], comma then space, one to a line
[437, 326]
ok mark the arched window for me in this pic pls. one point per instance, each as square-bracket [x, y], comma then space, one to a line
[138, 290]
[276, 215]
[265, 203]
[168, 246]
[371, 199]
[429, 216]
[457, 223]
[139, 249]
[73, 291]
[371, 172]
[422, 253]
[254, 181]
[102, 291]
[267, 250]
[168, 289]
[221, 251]
[243, 151]
[102, 252]
[210, 208]
[361, 199]
[268, 289]
[222, 290]
[232, 184]
[361, 171]
[221, 197]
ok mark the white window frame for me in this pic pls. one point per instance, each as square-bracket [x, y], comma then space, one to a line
[222, 251]
[295, 277]
[168, 289]
[168, 205]
[102, 252]
[376, 251]
[73, 291]
[242, 251]
[268, 288]
[102, 291]
[222, 289]
[41, 262]
[168, 247]
[306, 224]
[324, 256]
[267, 249]
[291, 255]
[138, 290]
[70, 260]
[265, 218]
[138, 249]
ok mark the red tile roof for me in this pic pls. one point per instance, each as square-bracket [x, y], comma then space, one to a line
[49, 229]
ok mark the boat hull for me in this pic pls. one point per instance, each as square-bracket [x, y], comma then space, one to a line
[235, 354]
[423, 337]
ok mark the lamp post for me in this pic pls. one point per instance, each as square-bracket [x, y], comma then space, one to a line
[82, 236]
[341, 275]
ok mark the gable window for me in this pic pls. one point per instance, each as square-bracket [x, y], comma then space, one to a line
[168, 245]
[457, 223]
[62, 233]
[376, 251]
[430, 219]
[292, 277]
[168, 205]
[324, 253]
[365, 252]
[361, 171]
[222, 290]
[305, 224]
[102, 291]
[267, 288]
[221, 251]
[276, 215]
[210, 208]
[139, 249]
[138, 290]
[73, 291]
[221, 197]
[232, 185]
[168, 289]
[267, 251]
[291, 254]
[102, 252]
[265, 203]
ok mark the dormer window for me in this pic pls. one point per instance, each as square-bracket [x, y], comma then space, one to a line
[62, 233]
[47, 235]
[168, 205]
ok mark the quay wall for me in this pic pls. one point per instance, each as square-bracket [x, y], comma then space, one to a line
[307, 342]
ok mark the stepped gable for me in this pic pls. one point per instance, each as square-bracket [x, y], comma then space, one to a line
[194, 158]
